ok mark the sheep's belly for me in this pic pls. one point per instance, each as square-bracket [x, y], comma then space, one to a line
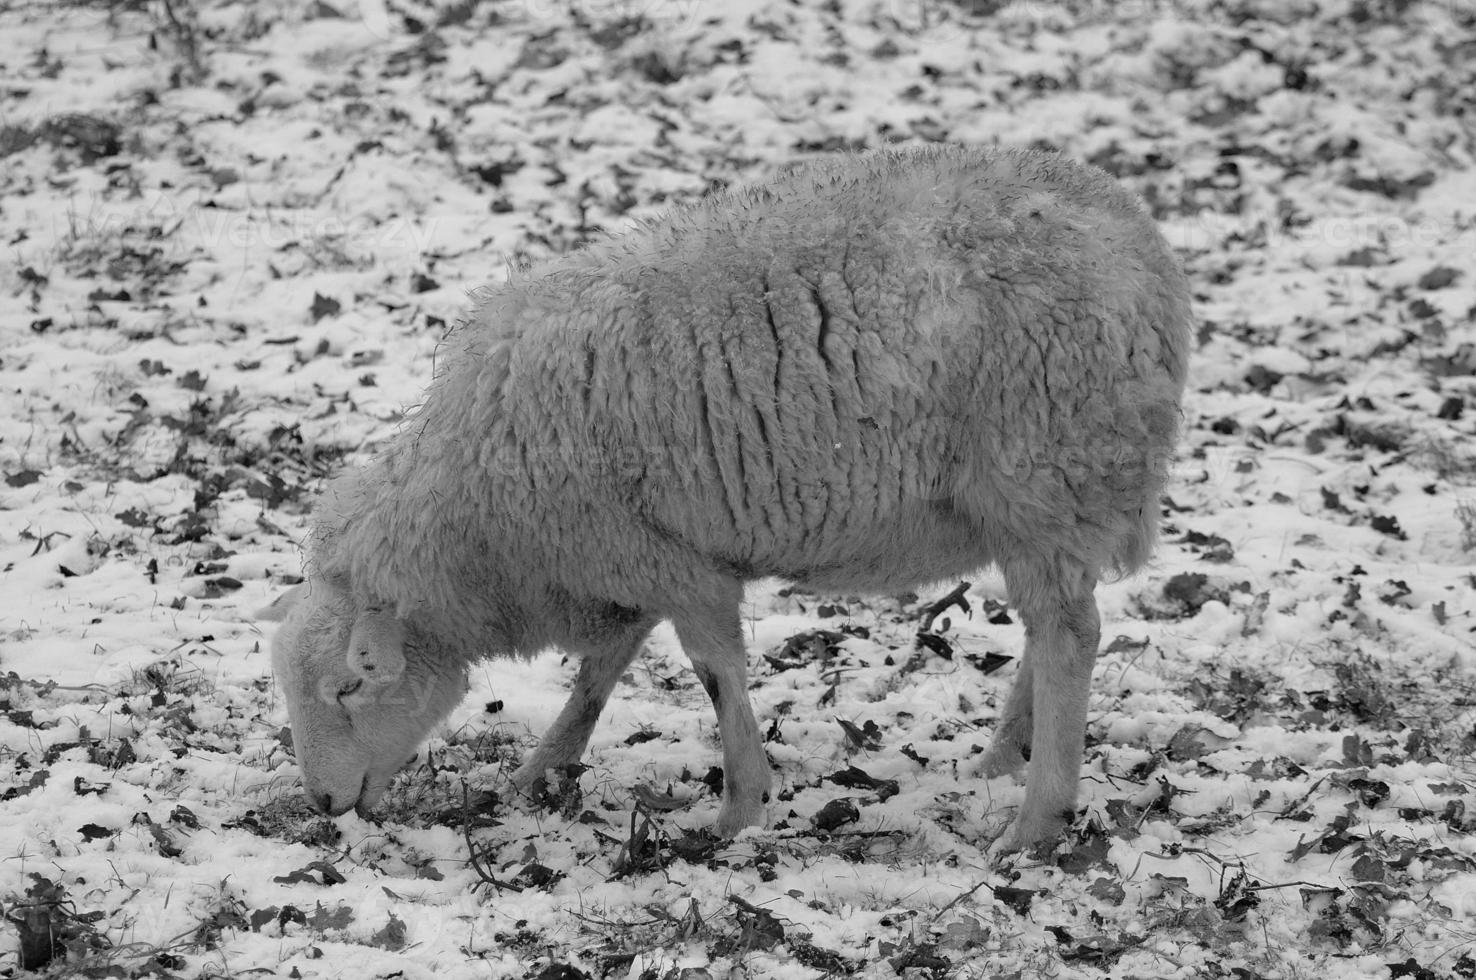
[925, 543]
[831, 537]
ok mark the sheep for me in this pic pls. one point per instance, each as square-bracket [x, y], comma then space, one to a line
[869, 374]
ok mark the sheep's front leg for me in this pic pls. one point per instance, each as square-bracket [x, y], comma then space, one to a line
[1062, 633]
[713, 641]
[564, 743]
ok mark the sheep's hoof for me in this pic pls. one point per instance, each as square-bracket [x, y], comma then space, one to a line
[1006, 846]
[1029, 830]
[533, 789]
[1002, 759]
[733, 818]
[545, 784]
[528, 780]
[1014, 840]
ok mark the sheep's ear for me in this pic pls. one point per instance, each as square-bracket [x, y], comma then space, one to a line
[376, 650]
[278, 609]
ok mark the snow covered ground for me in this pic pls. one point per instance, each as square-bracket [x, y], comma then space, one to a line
[234, 232]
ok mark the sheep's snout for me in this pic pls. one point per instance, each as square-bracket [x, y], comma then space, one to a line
[336, 801]
[327, 804]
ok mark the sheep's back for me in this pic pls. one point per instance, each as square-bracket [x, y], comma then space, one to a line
[859, 374]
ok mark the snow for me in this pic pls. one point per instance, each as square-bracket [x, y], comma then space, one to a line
[233, 240]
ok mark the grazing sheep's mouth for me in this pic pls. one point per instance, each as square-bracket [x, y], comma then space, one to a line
[328, 805]
[337, 806]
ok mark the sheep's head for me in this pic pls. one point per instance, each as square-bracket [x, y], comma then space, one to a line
[361, 692]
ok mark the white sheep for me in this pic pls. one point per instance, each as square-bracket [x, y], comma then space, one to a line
[869, 374]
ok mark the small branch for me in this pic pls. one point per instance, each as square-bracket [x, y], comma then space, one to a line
[1292, 807]
[471, 851]
[186, 38]
[954, 598]
[961, 896]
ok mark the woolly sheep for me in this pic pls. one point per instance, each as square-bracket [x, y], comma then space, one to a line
[869, 374]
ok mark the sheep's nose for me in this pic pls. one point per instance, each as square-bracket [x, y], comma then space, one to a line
[334, 804]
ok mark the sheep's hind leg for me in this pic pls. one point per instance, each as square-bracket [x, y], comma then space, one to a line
[713, 641]
[1062, 633]
[564, 743]
[1010, 748]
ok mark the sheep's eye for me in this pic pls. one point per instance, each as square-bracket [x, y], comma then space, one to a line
[350, 688]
